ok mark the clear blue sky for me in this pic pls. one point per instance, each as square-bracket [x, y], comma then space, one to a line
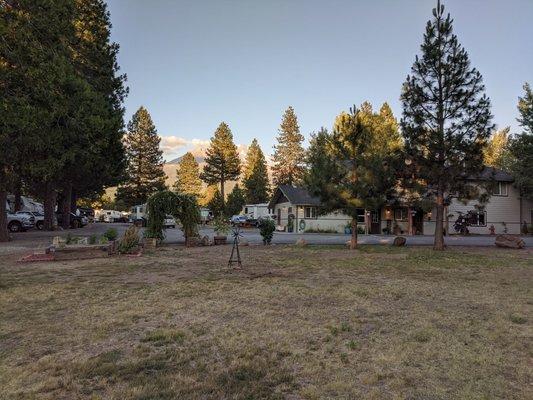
[194, 64]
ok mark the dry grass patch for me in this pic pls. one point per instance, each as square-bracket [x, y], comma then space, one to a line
[298, 323]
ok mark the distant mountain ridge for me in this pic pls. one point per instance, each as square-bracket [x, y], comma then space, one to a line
[199, 160]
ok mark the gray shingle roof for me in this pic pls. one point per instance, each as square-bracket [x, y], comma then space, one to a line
[491, 173]
[296, 195]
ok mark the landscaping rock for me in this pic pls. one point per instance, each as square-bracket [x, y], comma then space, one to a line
[509, 241]
[301, 242]
[205, 241]
[399, 241]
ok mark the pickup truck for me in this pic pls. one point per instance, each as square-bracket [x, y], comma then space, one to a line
[19, 222]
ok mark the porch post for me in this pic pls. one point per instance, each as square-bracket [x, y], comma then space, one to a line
[410, 221]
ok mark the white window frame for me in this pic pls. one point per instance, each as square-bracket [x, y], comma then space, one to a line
[312, 214]
[478, 224]
[501, 189]
[403, 214]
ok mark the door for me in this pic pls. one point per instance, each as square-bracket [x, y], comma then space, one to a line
[375, 223]
[279, 216]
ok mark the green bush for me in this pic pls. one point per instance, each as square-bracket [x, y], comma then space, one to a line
[130, 241]
[93, 239]
[266, 229]
[111, 234]
[221, 225]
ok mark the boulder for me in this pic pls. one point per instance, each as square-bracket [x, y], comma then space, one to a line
[205, 241]
[301, 242]
[509, 241]
[399, 241]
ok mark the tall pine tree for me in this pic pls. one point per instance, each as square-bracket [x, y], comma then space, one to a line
[188, 176]
[446, 117]
[288, 158]
[496, 154]
[144, 171]
[236, 201]
[222, 159]
[255, 179]
[522, 146]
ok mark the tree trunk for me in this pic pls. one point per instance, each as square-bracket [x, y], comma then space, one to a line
[73, 201]
[222, 181]
[50, 200]
[65, 205]
[439, 234]
[446, 221]
[4, 235]
[18, 197]
[353, 241]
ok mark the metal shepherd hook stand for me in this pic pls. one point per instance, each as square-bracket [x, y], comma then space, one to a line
[235, 253]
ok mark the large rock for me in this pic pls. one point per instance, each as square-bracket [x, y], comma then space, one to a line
[301, 242]
[399, 241]
[205, 241]
[509, 241]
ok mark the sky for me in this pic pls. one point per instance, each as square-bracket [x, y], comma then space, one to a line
[194, 64]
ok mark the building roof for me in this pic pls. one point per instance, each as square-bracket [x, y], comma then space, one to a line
[296, 195]
[491, 173]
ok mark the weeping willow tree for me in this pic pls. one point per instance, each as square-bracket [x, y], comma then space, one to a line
[183, 207]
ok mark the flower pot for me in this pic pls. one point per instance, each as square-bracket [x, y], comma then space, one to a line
[149, 243]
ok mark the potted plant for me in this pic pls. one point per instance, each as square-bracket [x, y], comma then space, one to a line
[348, 228]
[222, 228]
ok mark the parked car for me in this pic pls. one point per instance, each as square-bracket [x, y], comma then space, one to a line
[19, 222]
[76, 221]
[87, 212]
[238, 219]
[39, 218]
[169, 222]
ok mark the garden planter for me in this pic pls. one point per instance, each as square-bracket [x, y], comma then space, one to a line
[220, 240]
[150, 243]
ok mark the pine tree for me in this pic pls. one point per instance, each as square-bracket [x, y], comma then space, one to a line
[289, 154]
[347, 170]
[236, 201]
[188, 176]
[222, 159]
[255, 180]
[446, 117]
[144, 172]
[216, 204]
[522, 146]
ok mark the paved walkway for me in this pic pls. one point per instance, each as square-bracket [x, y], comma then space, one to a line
[39, 240]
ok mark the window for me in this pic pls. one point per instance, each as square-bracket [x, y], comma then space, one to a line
[478, 218]
[310, 212]
[400, 214]
[500, 189]
[290, 210]
[360, 216]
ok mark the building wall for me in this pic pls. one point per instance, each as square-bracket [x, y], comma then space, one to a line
[335, 221]
[501, 211]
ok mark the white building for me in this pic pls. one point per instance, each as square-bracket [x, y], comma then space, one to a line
[505, 211]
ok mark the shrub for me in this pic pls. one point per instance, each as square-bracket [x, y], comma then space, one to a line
[93, 239]
[221, 225]
[266, 229]
[111, 234]
[130, 240]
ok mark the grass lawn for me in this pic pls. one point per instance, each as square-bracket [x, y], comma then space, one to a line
[298, 323]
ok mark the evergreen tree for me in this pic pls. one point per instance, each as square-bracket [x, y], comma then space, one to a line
[446, 117]
[522, 146]
[255, 180]
[236, 201]
[347, 170]
[222, 159]
[188, 176]
[289, 154]
[216, 204]
[496, 154]
[144, 172]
